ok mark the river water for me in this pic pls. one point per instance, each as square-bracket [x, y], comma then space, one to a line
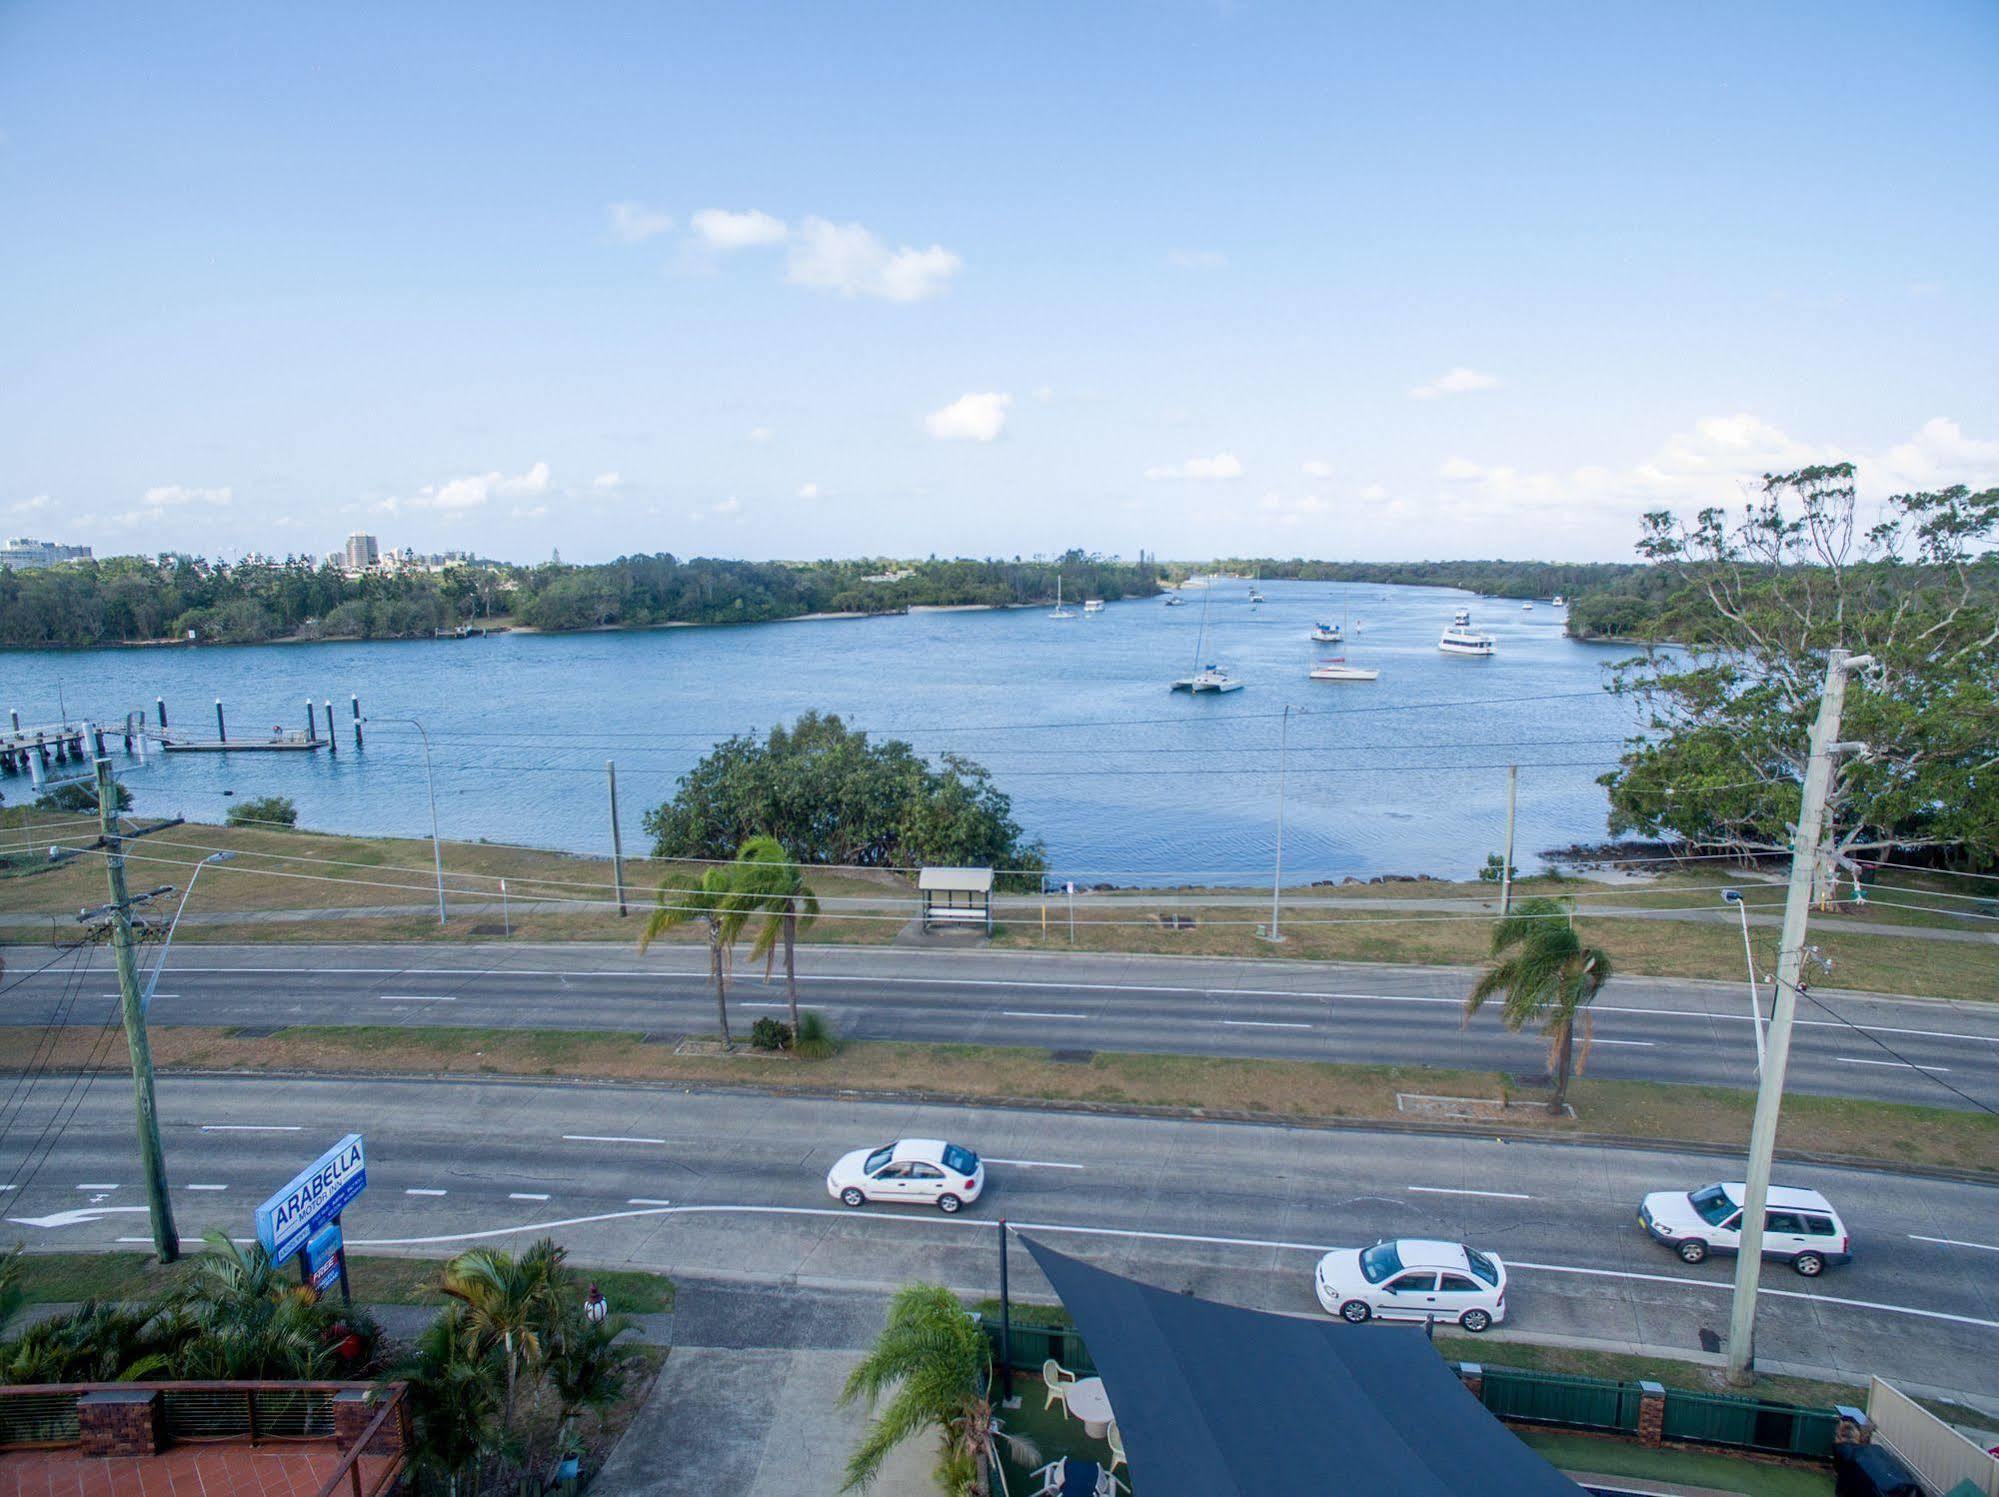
[1124, 780]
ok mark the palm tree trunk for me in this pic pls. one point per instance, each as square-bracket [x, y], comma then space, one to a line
[791, 968]
[721, 992]
[1565, 1046]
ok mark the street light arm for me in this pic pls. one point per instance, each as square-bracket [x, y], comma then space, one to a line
[159, 966]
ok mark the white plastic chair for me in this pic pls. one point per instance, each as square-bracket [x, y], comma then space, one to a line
[1058, 1380]
[1117, 1448]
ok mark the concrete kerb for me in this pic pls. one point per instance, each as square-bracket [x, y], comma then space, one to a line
[1125, 1109]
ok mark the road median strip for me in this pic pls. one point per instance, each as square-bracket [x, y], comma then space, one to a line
[1304, 1093]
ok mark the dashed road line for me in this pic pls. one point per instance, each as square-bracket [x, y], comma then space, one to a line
[207, 1187]
[607, 1138]
[417, 998]
[1021, 1013]
[420, 1192]
[1263, 1024]
[1446, 1190]
[524, 1195]
[1905, 1065]
[251, 1127]
[112, 1186]
[1983, 1247]
[1035, 1164]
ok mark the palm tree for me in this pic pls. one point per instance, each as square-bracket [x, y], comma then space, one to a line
[773, 892]
[454, 1391]
[510, 1300]
[710, 898]
[1548, 976]
[938, 1363]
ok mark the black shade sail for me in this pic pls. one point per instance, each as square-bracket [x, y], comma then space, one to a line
[1214, 1401]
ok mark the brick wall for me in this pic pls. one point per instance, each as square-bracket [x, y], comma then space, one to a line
[119, 1422]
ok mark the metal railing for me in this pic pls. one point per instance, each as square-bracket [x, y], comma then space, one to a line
[45, 1414]
[348, 1473]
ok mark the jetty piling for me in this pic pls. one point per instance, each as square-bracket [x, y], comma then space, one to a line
[311, 723]
[354, 700]
[161, 703]
[221, 727]
[332, 739]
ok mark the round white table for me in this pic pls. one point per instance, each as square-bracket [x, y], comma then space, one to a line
[1089, 1402]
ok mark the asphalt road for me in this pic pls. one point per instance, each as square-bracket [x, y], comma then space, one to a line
[1654, 1029]
[727, 1186]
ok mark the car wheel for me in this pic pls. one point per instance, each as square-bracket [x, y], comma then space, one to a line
[1811, 1265]
[1356, 1312]
[948, 1204]
[852, 1196]
[1693, 1250]
[1475, 1321]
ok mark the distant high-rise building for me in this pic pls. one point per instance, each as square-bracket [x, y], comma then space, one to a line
[362, 552]
[21, 553]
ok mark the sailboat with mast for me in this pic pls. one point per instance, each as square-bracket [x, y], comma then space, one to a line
[1208, 677]
[1335, 667]
[1060, 612]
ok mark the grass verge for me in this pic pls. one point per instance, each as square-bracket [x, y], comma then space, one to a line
[1693, 1468]
[63, 1278]
[1290, 1091]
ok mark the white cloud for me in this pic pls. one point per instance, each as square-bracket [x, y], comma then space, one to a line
[474, 490]
[1374, 491]
[174, 495]
[1458, 381]
[1937, 456]
[849, 259]
[1044, 393]
[970, 418]
[808, 491]
[1316, 467]
[1193, 259]
[607, 480]
[530, 512]
[720, 229]
[1221, 465]
[727, 507]
[634, 223]
[760, 434]
[29, 506]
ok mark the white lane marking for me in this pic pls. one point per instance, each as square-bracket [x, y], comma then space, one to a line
[416, 998]
[1263, 1024]
[1035, 1164]
[524, 1195]
[1904, 1065]
[97, 1187]
[1699, 1015]
[251, 1127]
[607, 1138]
[1983, 1247]
[1640, 1044]
[647, 1201]
[74, 1218]
[1025, 1013]
[207, 1187]
[1445, 1190]
[418, 1192]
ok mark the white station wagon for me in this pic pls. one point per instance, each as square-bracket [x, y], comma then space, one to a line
[1799, 1226]
[1413, 1279]
[911, 1171]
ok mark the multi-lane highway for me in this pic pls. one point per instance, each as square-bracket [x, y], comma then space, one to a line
[1923, 1051]
[728, 1185]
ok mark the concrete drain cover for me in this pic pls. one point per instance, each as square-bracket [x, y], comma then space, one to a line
[1073, 1057]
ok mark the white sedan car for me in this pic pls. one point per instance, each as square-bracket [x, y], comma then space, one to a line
[919, 1171]
[1413, 1279]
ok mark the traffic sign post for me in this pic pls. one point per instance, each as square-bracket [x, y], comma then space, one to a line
[304, 1217]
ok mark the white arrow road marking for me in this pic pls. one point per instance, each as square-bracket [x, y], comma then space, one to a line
[74, 1218]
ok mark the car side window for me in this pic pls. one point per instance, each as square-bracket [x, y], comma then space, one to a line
[1415, 1283]
[1457, 1283]
[1733, 1224]
[925, 1172]
[892, 1172]
[1819, 1226]
[1783, 1221]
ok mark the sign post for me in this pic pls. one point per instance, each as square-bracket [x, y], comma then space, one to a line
[303, 1219]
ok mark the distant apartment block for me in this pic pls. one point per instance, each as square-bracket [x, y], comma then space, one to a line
[362, 552]
[21, 553]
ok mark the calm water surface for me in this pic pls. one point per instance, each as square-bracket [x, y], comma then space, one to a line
[1124, 780]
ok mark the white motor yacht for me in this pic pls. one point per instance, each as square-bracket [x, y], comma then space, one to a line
[1174, 600]
[1337, 669]
[1559, 601]
[1527, 607]
[1327, 634]
[1093, 605]
[1462, 639]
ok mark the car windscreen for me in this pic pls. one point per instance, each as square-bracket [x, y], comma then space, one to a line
[1379, 1261]
[964, 1161]
[879, 1158]
[1483, 1266]
[1713, 1204]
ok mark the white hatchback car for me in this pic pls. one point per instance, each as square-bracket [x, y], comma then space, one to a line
[919, 1171]
[1799, 1226]
[1413, 1279]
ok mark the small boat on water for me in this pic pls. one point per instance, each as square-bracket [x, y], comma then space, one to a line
[1327, 634]
[1462, 639]
[1060, 612]
[1174, 600]
[1093, 605]
[1559, 601]
[1527, 607]
[1210, 677]
[1337, 669]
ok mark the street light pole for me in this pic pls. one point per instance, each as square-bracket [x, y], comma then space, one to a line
[1734, 897]
[159, 965]
[1790, 967]
[1277, 865]
[430, 783]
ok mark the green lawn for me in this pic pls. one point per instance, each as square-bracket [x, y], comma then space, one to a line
[1694, 1468]
[1051, 1431]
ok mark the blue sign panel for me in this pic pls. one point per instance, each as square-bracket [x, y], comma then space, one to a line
[319, 1194]
[323, 1252]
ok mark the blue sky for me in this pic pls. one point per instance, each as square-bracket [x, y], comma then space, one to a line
[1330, 280]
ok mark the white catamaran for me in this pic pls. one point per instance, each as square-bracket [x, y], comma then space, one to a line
[1209, 677]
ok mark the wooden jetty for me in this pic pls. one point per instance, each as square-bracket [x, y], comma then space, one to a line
[281, 742]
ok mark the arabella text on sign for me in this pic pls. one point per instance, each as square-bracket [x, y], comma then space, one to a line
[314, 1198]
